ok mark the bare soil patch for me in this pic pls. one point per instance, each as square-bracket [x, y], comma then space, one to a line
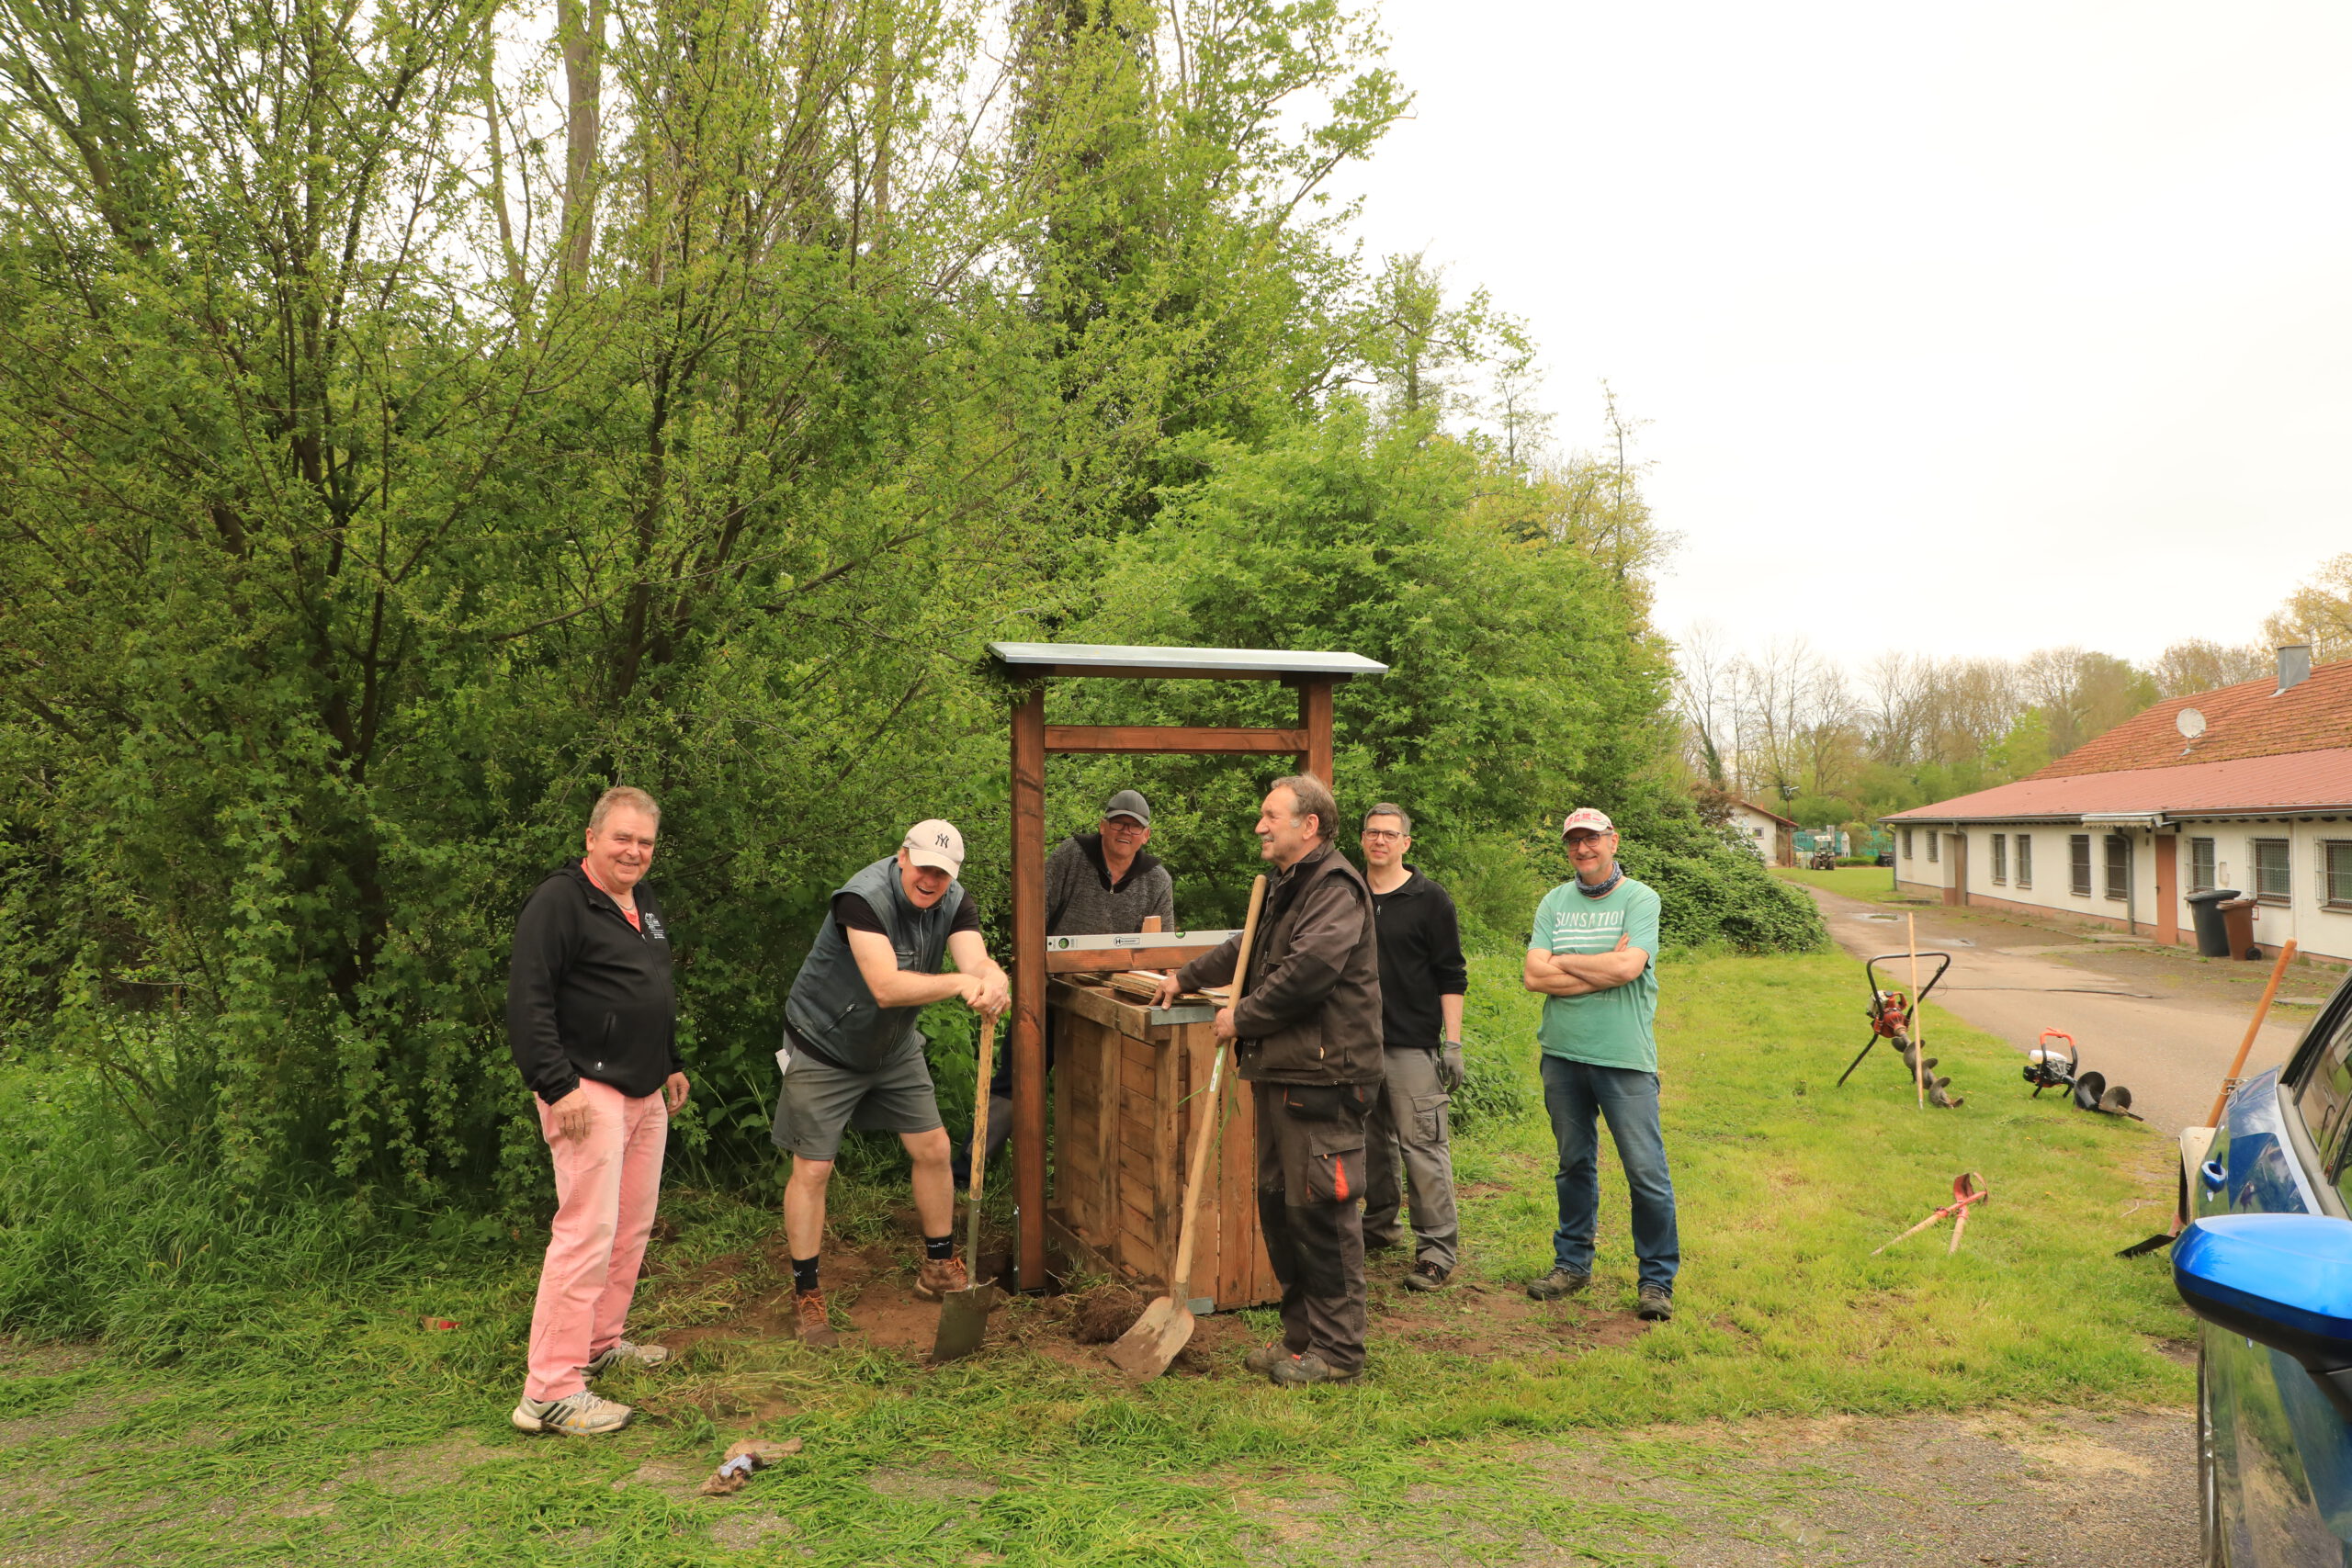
[746, 1299]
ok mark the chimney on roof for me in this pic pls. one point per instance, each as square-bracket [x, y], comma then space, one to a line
[2294, 666]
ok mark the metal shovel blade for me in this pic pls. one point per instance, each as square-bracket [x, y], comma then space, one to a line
[963, 1320]
[1143, 1351]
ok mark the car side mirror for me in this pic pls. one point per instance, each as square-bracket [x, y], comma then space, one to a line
[2283, 1280]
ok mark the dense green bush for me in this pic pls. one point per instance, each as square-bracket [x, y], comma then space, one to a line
[366, 520]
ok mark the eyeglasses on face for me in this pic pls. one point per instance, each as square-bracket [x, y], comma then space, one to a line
[1382, 833]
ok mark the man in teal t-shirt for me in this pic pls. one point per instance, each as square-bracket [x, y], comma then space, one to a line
[1593, 957]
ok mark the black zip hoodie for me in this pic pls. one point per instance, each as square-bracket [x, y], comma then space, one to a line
[588, 995]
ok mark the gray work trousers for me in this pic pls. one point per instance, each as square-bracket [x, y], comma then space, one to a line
[1310, 1175]
[1407, 1127]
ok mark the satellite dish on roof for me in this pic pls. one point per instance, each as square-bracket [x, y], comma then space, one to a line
[2191, 723]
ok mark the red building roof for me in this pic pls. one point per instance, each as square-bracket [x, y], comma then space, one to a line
[1751, 805]
[2261, 751]
[2301, 781]
[2253, 718]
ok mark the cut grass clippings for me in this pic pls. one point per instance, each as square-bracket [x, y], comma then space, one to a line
[324, 1424]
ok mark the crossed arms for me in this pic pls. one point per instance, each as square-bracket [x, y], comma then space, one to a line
[1581, 974]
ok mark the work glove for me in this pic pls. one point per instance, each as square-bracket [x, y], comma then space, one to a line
[1448, 1066]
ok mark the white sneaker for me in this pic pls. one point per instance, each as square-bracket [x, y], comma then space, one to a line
[581, 1415]
[624, 1351]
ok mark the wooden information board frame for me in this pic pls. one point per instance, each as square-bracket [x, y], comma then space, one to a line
[1315, 675]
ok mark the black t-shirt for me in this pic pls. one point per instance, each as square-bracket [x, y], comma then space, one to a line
[857, 915]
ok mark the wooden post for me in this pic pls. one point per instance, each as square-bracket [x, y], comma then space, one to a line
[1315, 717]
[1918, 1066]
[1029, 987]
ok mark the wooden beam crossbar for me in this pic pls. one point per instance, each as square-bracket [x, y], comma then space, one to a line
[1033, 740]
[1148, 738]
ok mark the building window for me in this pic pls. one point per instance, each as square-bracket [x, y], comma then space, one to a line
[2336, 858]
[2025, 859]
[2000, 857]
[2272, 882]
[2201, 877]
[2118, 866]
[1932, 837]
[2078, 846]
[1906, 843]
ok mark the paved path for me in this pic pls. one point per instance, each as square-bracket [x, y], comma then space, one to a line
[2168, 1043]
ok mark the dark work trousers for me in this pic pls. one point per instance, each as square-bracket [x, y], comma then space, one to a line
[1310, 1177]
[1409, 1155]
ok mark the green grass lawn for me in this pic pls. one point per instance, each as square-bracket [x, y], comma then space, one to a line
[1875, 883]
[322, 1425]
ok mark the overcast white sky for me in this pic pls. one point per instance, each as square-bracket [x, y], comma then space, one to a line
[1965, 329]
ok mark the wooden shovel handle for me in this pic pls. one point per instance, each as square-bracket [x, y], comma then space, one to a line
[1204, 1125]
[2261, 1011]
[980, 1133]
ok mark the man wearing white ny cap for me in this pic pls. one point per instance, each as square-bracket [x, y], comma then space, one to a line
[852, 1056]
[1592, 956]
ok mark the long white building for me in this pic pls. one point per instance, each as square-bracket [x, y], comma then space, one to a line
[2247, 787]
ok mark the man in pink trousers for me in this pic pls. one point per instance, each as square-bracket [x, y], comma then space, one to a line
[591, 1020]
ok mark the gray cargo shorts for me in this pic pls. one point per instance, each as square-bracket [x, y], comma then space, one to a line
[819, 1100]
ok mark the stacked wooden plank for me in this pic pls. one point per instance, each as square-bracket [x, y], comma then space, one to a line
[1126, 1093]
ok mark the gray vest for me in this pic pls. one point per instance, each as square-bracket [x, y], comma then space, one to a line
[833, 1007]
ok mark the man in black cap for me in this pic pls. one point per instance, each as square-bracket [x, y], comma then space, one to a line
[1097, 884]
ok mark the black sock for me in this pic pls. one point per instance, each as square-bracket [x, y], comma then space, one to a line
[939, 1248]
[804, 1275]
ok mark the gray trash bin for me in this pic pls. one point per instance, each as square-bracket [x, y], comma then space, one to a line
[2213, 932]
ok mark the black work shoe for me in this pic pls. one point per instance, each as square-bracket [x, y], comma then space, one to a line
[1266, 1358]
[1428, 1276]
[1559, 1282]
[1655, 1304]
[1382, 1244]
[1307, 1369]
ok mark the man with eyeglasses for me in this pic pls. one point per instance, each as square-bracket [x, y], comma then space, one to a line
[1592, 956]
[1422, 981]
[1097, 884]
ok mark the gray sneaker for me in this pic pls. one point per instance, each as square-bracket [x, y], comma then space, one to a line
[1559, 1282]
[625, 1352]
[1653, 1304]
[581, 1415]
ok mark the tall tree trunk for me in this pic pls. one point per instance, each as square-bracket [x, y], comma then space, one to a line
[584, 81]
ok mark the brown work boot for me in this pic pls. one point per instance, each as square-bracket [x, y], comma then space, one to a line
[1266, 1358]
[1307, 1369]
[940, 1275]
[816, 1327]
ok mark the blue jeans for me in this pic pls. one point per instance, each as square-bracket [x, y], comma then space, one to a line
[1573, 1093]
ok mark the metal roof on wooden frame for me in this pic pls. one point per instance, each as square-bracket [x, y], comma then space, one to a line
[1032, 663]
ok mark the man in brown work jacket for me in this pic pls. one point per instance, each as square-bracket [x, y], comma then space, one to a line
[1307, 1024]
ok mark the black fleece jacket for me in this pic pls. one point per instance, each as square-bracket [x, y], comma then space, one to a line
[588, 995]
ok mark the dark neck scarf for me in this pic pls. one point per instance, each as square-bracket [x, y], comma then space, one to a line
[1616, 875]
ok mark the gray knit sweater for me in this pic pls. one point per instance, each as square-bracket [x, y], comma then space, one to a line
[1081, 900]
